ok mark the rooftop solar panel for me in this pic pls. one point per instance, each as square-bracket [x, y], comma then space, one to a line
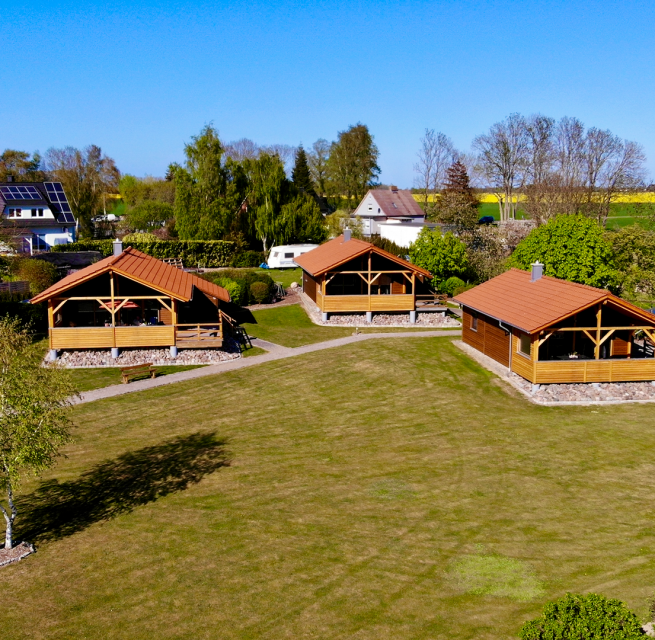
[58, 197]
[20, 193]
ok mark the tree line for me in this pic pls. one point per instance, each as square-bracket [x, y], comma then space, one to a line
[556, 166]
[253, 195]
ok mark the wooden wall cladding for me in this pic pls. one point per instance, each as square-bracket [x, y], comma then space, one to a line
[489, 338]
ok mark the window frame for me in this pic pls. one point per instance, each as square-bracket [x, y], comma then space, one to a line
[474, 321]
[522, 337]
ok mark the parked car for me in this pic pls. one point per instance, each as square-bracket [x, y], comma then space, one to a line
[486, 220]
[282, 257]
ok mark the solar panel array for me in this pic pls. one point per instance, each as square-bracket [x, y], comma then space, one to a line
[57, 196]
[20, 193]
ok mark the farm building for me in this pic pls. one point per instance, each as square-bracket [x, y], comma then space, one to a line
[554, 331]
[133, 300]
[346, 275]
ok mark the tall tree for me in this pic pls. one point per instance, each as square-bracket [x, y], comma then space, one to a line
[301, 221]
[34, 419]
[436, 154]
[352, 164]
[318, 159]
[87, 176]
[503, 158]
[209, 191]
[301, 175]
[571, 248]
[442, 255]
[20, 165]
[458, 204]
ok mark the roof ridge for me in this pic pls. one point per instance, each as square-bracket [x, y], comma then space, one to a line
[562, 280]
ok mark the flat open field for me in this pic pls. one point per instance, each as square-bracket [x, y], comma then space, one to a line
[381, 491]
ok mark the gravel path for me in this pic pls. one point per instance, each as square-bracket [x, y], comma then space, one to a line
[275, 352]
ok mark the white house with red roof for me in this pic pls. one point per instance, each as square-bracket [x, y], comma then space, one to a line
[392, 206]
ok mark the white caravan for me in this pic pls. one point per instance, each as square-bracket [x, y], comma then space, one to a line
[282, 257]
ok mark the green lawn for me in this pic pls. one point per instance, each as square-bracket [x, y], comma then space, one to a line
[285, 276]
[291, 327]
[380, 491]
[87, 379]
[255, 351]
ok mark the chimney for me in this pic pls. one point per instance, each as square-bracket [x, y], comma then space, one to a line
[346, 235]
[393, 188]
[10, 178]
[118, 247]
[537, 271]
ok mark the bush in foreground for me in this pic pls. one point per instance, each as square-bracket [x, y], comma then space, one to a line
[578, 617]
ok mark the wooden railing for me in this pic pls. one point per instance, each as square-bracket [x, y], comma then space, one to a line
[348, 304]
[200, 334]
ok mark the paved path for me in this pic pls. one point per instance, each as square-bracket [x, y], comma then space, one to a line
[275, 352]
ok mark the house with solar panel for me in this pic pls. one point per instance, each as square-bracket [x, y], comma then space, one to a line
[36, 215]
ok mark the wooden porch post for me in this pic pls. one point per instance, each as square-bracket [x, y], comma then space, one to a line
[113, 307]
[51, 321]
[598, 320]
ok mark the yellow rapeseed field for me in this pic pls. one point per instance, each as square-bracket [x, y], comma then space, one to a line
[626, 198]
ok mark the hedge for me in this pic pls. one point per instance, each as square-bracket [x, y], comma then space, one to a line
[204, 253]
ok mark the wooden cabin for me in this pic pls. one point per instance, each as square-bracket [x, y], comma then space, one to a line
[346, 275]
[133, 300]
[554, 331]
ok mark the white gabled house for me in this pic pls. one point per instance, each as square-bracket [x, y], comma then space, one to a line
[380, 206]
[36, 214]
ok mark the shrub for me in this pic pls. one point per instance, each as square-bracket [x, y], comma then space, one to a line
[390, 246]
[583, 618]
[451, 284]
[131, 238]
[232, 287]
[39, 273]
[244, 278]
[248, 259]
[444, 256]
[33, 315]
[260, 292]
[462, 289]
[206, 253]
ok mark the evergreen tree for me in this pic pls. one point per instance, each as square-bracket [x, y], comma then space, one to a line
[301, 175]
[458, 204]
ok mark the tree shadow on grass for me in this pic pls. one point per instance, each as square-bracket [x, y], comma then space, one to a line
[59, 509]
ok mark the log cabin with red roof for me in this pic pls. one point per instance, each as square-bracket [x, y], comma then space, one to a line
[549, 330]
[132, 300]
[347, 275]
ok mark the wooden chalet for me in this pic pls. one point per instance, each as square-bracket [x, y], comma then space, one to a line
[346, 275]
[553, 331]
[133, 300]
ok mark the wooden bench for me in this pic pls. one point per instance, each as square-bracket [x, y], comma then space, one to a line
[136, 371]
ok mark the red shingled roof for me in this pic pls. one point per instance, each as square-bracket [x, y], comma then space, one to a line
[142, 268]
[336, 252]
[397, 204]
[515, 300]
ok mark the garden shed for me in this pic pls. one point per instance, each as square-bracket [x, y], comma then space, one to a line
[554, 331]
[347, 275]
[131, 299]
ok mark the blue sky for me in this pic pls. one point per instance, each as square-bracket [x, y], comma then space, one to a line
[140, 78]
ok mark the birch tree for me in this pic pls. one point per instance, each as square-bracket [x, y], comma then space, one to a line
[436, 154]
[34, 417]
[503, 157]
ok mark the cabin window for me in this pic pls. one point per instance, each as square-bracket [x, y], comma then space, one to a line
[524, 344]
[34, 213]
[474, 321]
[288, 255]
[40, 213]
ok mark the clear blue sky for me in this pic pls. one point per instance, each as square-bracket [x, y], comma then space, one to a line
[140, 78]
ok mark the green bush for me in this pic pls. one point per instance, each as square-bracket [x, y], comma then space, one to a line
[389, 246]
[33, 315]
[131, 238]
[260, 292]
[577, 617]
[39, 273]
[449, 286]
[248, 259]
[232, 287]
[244, 278]
[206, 253]
[462, 289]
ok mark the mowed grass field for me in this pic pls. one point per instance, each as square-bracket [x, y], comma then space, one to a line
[380, 491]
